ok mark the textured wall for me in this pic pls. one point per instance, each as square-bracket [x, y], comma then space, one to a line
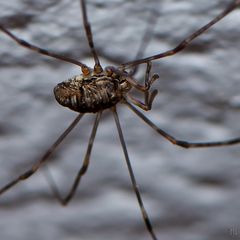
[189, 194]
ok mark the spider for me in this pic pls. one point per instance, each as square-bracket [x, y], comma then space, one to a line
[99, 89]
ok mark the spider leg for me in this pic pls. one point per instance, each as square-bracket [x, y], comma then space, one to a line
[142, 88]
[87, 26]
[178, 142]
[32, 47]
[147, 105]
[44, 158]
[145, 216]
[148, 96]
[232, 6]
[65, 200]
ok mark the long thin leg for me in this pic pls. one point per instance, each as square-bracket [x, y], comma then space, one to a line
[87, 26]
[65, 200]
[186, 41]
[146, 219]
[43, 159]
[182, 143]
[41, 50]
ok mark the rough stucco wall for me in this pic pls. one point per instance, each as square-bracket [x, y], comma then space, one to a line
[189, 194]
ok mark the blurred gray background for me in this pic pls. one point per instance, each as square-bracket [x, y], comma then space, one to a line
[189, 194]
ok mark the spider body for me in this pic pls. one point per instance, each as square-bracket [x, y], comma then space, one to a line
[98, 89]
[93, 92]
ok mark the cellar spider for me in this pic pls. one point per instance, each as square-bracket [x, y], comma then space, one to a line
[102, 89]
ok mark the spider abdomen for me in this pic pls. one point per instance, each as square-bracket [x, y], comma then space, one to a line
[90, 94]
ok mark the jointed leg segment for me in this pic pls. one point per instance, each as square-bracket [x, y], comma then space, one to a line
[65, 200]
[88, 31]
[182, 143]
[44, 158]
[148, 95]
[182, 45]
[133, 180]
[40, 50]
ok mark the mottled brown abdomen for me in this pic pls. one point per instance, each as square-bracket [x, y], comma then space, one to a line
[90, 94]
